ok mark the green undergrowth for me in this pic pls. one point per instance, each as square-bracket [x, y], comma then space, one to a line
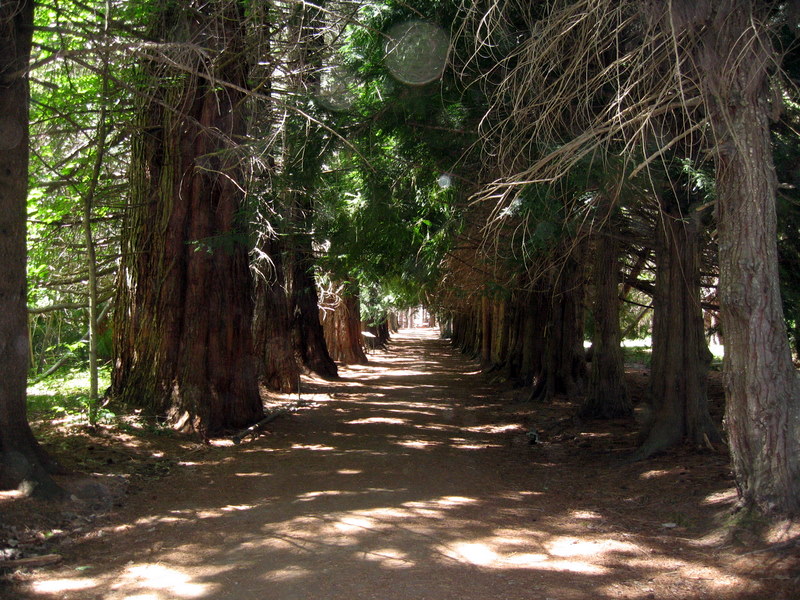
[65, 395]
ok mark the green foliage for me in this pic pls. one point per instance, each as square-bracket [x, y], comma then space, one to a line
[380, 212]
[65, 394]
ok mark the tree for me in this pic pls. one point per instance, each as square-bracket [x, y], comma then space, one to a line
[706, 65]
[761, 384]
[606, 395]
[677, 397]
[22, 461]
[183, 341]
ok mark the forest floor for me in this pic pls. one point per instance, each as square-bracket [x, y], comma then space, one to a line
[412, 478]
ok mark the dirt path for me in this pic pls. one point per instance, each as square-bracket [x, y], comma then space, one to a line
[412, 480]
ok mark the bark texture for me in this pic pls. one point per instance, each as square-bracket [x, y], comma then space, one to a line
[342, 328]
[272, 323]
[564, 372]
[309, 337]
[763, 396]
[183, 345]
[678, 400]
[606, 397]
[23, 463]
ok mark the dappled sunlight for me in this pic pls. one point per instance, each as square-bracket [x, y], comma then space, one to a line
[568, 547]
[313, 447]
[394, 486]
[55, 586]
[371, 420]
[417, 444]
[158, 577]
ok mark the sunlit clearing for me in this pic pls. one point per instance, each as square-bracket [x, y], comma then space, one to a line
[370, 420]
[55, 586]
[159, 577]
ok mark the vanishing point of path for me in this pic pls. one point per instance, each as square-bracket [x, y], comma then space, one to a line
[408, 480]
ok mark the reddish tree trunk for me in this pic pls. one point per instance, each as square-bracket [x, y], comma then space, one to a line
[272, 324]
[309, 337]
[342, 328]
[22, 461]
[183, 340]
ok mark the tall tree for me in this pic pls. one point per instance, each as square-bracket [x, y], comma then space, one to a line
[183, 340]
[302, 163]
[762, 418]
[706, 62]
[22, 460]
[606, 395]
[679, 373]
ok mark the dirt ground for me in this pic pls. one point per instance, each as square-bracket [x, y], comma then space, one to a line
[414, 478]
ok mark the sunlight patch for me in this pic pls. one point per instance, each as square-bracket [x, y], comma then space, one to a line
[723, 497]
[653, 474]
[568, 546]
[495, 428]
[55, 586]
[352, 524]
[160, 577]
[585, 514]
[289, 573]
[417, 443]
[371, 420]
[234, 507]
[390, 558]
[318, 447]
[476, 553]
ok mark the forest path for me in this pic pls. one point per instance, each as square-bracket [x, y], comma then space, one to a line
[411, 479]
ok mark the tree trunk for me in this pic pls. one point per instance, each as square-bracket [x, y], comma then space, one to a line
[534, 340]
[565, 362]
[606, 397]
[763, 395]
[678, 377]
[272, 323]
[309, 337]
[183, 341]
[485, 332]
[23, 464]
[342, 329]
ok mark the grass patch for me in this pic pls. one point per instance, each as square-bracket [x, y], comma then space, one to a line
[65, 394]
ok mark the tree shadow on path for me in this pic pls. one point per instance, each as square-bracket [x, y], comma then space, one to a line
[412, 479]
